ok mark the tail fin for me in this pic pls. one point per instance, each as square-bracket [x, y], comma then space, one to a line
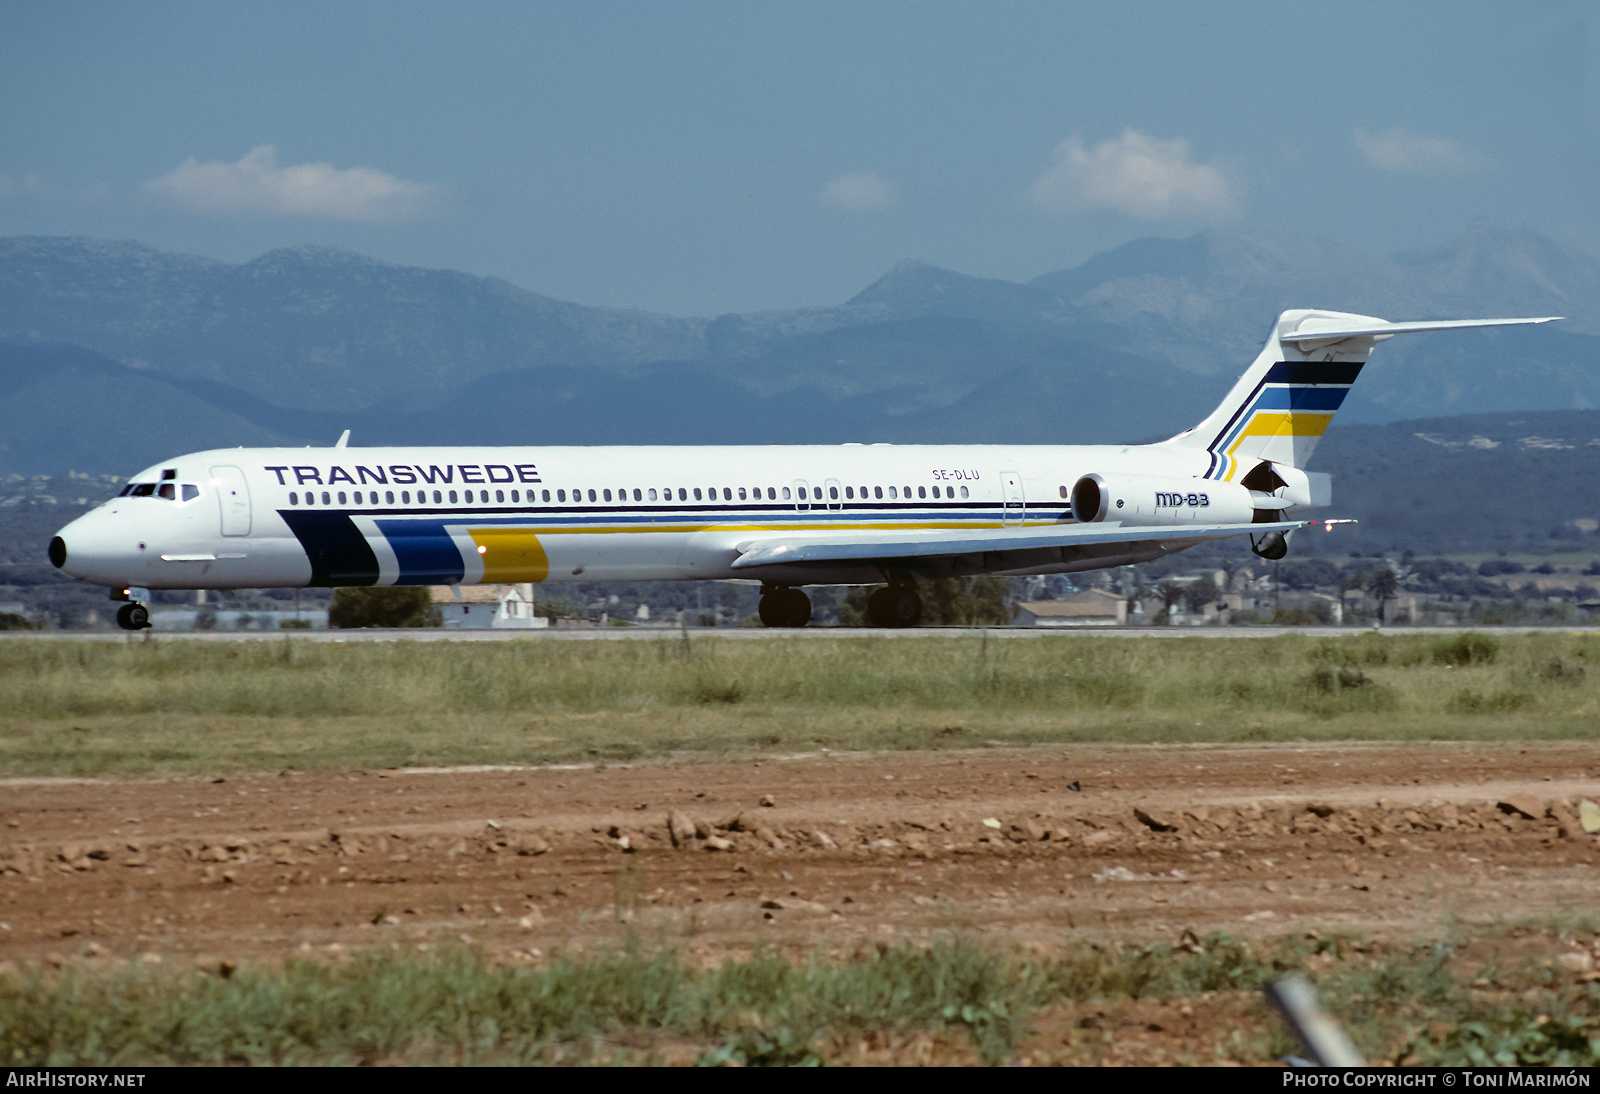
[1284, 402]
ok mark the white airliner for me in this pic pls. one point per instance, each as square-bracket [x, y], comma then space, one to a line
[784, 516]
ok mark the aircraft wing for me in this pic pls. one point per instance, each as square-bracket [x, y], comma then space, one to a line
[869, 547]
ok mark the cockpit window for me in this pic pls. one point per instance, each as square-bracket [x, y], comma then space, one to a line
[166, 490]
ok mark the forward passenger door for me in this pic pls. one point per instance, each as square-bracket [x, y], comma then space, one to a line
[233, 495]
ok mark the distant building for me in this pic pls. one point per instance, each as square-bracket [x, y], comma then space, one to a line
[237, 619]
[1402, 608]
[1095, 608]
[1335, 606]
[482, 607]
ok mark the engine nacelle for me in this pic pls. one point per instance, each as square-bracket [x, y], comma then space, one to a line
[1289, 486]
[1159, 500]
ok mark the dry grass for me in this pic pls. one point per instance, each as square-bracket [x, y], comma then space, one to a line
[180, 706]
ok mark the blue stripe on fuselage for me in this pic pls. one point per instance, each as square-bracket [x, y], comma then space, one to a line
[425, 552]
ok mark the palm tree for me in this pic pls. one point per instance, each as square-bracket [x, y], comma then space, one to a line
[1170, 593]
[1141, 592]
[1384, 587]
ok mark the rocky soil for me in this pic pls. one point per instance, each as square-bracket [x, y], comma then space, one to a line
[819, 852]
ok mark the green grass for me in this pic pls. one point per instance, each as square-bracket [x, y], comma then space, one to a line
[175, 706]
[453, 1006]
[1430, 1004]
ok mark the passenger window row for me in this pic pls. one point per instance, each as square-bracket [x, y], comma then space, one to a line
[440, 497]
[683, 493]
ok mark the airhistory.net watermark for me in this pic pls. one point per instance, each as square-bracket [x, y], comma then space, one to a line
[50, 1078]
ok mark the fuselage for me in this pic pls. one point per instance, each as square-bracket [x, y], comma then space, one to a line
[783, 516]
[276, 517]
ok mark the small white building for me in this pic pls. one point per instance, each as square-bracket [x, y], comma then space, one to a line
[481, 607]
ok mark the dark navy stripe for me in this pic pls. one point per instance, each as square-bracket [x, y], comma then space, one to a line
[339, 553]
[427, 555]
[432, 524]
[1314, 372]
[602, 511]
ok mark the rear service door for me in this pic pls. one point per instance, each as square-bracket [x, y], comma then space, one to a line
[1016, 511]
[234, 498]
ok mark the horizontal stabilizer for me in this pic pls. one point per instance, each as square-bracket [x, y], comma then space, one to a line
[801, 548]
[1332, 330]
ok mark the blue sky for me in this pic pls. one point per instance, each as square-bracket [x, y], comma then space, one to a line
[701, 158]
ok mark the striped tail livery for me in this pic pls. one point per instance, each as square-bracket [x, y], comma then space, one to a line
[1283, 404]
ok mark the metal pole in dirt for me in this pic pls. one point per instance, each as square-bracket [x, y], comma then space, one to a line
[1296, 1002]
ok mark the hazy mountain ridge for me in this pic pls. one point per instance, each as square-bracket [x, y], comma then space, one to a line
[1189, 300]
[1137, 342]
[311, 326]
[107, 415]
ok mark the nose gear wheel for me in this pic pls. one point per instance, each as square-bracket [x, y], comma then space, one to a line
[133, 617]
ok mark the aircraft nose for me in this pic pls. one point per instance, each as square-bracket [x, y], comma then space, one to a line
[84, 550]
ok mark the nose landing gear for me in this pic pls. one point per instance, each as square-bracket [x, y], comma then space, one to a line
[133, 617]
[784, 607]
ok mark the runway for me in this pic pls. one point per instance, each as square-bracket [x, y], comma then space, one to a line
[749, 634]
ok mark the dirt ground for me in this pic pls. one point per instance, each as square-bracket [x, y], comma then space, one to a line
[815, 853]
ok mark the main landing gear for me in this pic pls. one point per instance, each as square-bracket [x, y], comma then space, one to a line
[784, 607]
[1272, 546]
[896, 606]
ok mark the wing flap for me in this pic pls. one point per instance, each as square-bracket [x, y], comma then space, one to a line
[933, 544]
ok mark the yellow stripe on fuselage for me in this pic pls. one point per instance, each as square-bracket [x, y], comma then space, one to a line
[515, 554]
[510, 555]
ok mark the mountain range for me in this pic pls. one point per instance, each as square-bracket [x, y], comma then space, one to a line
[114, 354]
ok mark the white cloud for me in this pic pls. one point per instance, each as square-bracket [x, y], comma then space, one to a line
[32, 188]
[1400, 151]
[256, 184]
[867, 192]
[1136, 175]
[29, 184]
